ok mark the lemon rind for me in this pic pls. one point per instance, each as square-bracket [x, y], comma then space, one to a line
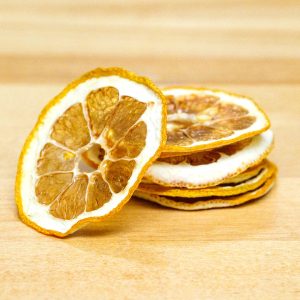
[189, 149]
[184, 184]
[99, 72]
[248, 185]
[210, 204]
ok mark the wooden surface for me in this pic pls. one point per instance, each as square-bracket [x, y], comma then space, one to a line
[148, 252]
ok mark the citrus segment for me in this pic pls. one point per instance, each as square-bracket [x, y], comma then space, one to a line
[117, 173]
[194, 159]
[200, 132]
[112, 113]
[235, 123]
[190, 103]
[133, 142]
[178, 137]
[71, 128]
[53, 158]
[100, 104]
[200, 119]
[223, 110]
[71, 203]
[121, 122]
[48, 187]
[98, 192]
[206, 157]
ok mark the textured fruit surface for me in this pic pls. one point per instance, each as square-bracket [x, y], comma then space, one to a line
[201, 119]
[111, 113]
[208, 156]
[71, 130]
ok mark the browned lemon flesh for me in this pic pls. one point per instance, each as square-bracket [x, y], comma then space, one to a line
[117, 118]
[219, 190]
[201, 119]
[111, 114]
[120, 121]
[71, 129]
[130, 146]
[207, 157]
[48, 187]
[98, 193]
[53, 159]
[182, 203]
[100, 104]
[71, 202]
[133, 142]
[117, 173]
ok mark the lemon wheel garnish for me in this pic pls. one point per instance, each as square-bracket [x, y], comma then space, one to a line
[210, 167]
[112, 110]
[265, 171]
[201, 203]
[200, 119]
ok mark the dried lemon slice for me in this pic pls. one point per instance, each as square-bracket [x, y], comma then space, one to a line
[200, 119]
[112, 110]
[208, 168]
[208, 202]
[228, 189]
[249, 173]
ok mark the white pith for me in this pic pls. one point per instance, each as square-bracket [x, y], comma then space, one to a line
[260, 122]
[219, 190]
[227, 166]
[39, 213]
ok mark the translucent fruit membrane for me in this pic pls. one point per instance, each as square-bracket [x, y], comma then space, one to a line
[115, 123]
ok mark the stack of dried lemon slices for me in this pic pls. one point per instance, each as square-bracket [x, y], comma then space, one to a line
[207, 151]
[215, 154]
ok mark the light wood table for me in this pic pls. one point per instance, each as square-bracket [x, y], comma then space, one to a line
[146, 251]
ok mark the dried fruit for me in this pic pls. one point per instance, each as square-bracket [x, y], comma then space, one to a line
[107, 112]
[209, 168]
[264, 171]
[200, 203]
[214, 156]
[200, 119]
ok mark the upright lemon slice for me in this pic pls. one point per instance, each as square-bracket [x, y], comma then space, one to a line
[115, 111]
[211, 167]
[200, 119]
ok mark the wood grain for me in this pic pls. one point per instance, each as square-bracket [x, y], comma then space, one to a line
[146, 251]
